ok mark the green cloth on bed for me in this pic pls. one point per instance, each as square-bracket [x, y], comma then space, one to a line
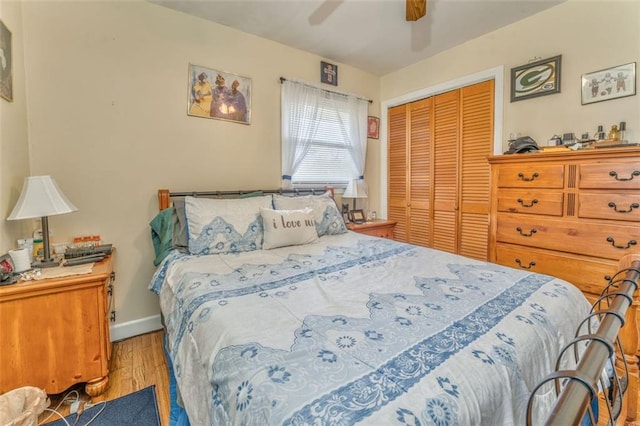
[162, 234]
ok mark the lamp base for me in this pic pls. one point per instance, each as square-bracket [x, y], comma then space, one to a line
[50, 263]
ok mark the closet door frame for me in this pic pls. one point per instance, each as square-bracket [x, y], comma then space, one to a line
[496, 74]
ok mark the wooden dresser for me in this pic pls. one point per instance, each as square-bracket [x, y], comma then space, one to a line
[54, 333]
[571, 214]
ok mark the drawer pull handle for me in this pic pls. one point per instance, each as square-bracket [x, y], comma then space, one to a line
[532, 263]
[635, 173]
[533, 231]
[629, 244]
[521, 201]
[533, 176]
[631, 207]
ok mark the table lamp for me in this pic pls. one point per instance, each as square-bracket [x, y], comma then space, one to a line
[357, 188]
[41, 197]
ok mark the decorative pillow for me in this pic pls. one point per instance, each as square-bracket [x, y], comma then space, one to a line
[328, 218]
[180, 240]
[224, 225]
[288, 227]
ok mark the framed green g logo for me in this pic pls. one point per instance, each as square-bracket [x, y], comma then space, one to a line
[534, 79]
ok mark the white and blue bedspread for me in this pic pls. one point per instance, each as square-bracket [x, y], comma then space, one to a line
[356, 329]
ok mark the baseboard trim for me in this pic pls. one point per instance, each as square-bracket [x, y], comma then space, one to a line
[135, 328]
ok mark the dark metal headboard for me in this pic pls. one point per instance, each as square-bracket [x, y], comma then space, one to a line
[164, 195]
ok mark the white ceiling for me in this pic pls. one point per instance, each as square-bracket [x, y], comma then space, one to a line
[371, 35]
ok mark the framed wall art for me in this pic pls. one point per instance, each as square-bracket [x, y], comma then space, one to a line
[535, 79]
[6, 74]
[373, 127]
[328, 73]
[609, 83]
[218, 94]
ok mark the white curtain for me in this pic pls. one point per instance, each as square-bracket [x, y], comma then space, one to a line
[302, 114]
[300, 104]
[358, 133]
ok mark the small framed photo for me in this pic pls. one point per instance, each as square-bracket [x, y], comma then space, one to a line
[218, 94]
[357, 216]
[610, 83]
[6, 265]
[6, 74]
[535, 79]
[373, 127]
[328, 73]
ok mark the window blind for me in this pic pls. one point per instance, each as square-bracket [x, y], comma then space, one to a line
[329, 159]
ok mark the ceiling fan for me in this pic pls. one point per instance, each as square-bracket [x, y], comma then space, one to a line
[414, 10]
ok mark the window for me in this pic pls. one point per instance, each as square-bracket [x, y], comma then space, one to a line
[329, 159]
[323, 136]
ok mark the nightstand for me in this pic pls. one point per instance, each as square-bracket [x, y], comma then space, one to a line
[54, 332]
[377, 228]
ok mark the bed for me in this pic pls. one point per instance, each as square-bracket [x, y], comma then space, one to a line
[325, 326]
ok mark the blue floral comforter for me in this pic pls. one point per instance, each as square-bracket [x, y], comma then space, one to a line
[356, 329]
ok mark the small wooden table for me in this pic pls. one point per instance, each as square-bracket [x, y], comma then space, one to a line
[54, 332]
[377, 228]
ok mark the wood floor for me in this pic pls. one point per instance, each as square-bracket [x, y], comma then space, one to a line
[136, 363]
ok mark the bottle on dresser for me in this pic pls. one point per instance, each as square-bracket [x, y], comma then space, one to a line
[622, 129]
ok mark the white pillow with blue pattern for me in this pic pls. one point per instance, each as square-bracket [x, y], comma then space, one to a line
[328, 218]
[224, 225]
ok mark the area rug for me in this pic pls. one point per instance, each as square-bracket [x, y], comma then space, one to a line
[139, 408]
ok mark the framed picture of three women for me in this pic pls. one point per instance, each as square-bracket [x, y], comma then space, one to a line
[218, 94]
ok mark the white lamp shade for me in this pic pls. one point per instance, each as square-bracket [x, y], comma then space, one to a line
[357, 188]
[40, 197]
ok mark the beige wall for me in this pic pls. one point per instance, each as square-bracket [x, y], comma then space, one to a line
[14, 151]
[107, 100]
[590, 35]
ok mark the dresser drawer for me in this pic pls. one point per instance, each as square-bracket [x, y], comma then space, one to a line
[585, 273]
[533, 202]
[580, 237]
[531, 175]
[614, 175]
[377, 228]
[378, 232]
[610, 206]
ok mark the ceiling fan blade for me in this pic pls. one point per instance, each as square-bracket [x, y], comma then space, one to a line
[323, 11]
[416, 9]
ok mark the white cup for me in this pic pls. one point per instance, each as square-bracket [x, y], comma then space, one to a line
[21, 260]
